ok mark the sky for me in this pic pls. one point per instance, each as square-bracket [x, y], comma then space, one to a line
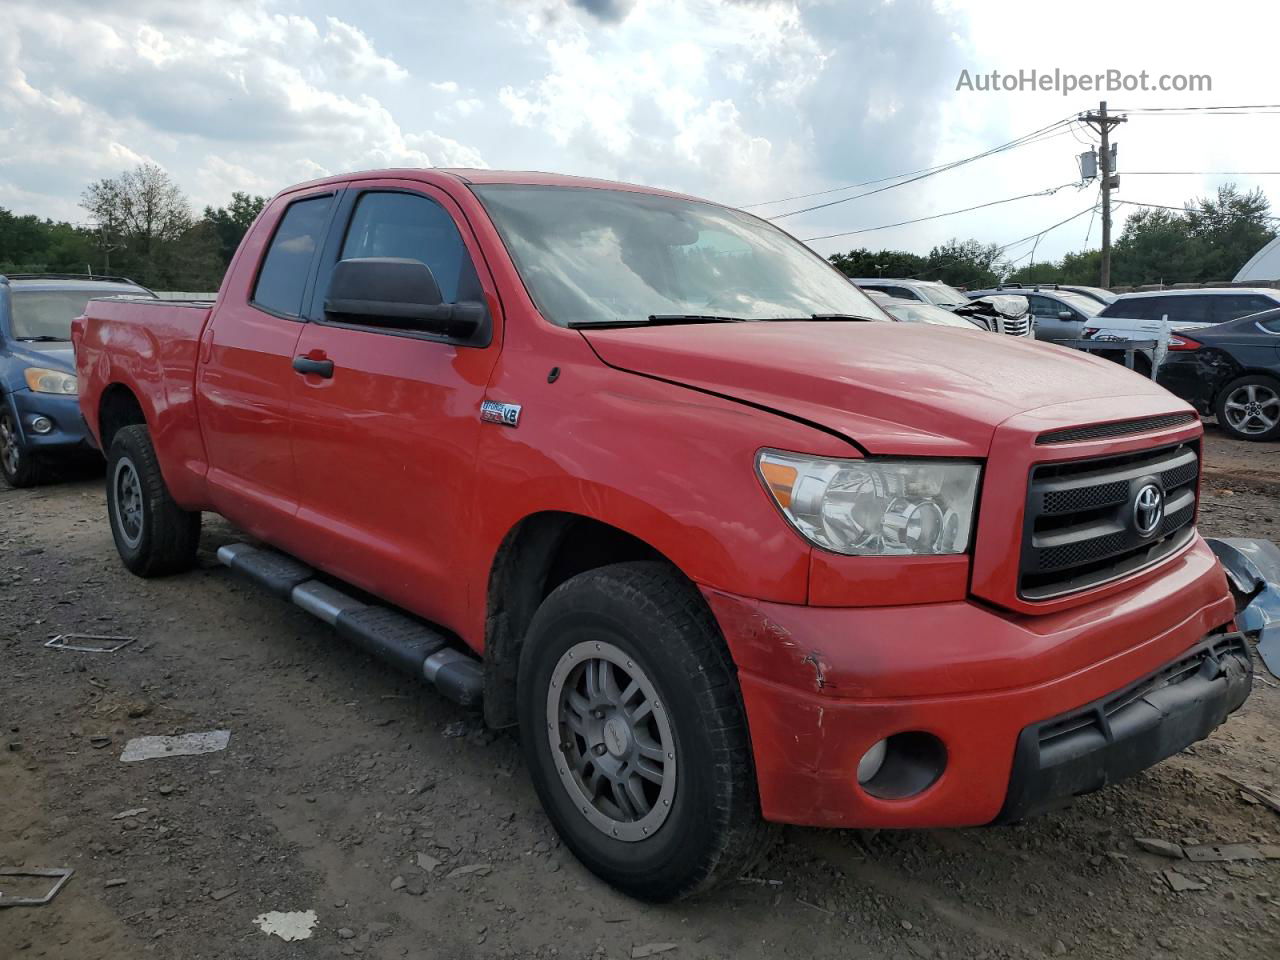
[738, 101]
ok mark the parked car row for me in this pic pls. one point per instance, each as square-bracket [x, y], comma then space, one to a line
[39, 413]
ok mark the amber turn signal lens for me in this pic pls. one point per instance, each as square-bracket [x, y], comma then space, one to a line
[781, 480]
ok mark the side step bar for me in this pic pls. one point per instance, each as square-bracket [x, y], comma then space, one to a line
[406, 644]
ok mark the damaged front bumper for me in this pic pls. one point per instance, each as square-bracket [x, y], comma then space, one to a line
[823, 686]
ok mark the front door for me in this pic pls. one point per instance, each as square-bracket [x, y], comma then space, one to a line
[246, 377]
[385, 443]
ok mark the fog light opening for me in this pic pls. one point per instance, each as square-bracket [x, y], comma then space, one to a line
[41, 425]
[902, 765]
[872, 761]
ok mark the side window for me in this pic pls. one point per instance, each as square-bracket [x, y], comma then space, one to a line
[1271, 324]
[902, 293]
[1193, 309]
[1043, 307]
[1231, 306]
[413, 227]
[288, 261]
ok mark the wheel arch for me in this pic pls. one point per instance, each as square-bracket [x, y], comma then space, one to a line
[118, 407]
[540, 552]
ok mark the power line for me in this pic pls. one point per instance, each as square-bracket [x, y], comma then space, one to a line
[1236, 108]
[937, 168]
[1165, 206]
[1202, 173]
[848, 233]
[927, 172]
[1041, 233]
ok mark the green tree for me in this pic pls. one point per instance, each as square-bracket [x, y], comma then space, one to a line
[232, 222]
[883, 263]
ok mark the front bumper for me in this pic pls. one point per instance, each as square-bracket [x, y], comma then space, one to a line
[822, 685]
[1119, 735]
[68, 435]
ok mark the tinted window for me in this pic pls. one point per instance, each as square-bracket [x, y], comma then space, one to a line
[902, 293]
[1138, 308]
[1044, 307]
[412, 227]
[1194, 309]
[1234, 305]
[288, 259]
[1271, 325]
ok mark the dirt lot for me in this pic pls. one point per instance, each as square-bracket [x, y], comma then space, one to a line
[339, 774]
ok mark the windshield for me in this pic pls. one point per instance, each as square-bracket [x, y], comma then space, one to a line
[928, 313]
[607, 256]
[47, 314]
[1086, 305]
[943, 295]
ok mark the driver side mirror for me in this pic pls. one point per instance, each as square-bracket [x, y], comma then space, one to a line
[397, 293]
[1066, 315]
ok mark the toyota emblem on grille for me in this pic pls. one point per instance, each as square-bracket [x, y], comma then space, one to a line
[1148, 509]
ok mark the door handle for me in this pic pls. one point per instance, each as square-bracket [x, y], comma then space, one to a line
[320, 368]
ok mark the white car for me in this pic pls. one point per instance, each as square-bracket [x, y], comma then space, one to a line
[1161, 314]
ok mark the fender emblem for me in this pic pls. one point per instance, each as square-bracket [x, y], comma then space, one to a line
[507, 414]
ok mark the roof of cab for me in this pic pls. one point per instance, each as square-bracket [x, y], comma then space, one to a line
[483, 176]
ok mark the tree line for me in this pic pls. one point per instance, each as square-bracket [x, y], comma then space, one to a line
[140, 225]
[1209, 239]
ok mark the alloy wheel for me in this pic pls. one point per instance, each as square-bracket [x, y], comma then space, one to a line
[1252, 409]
[611, 740]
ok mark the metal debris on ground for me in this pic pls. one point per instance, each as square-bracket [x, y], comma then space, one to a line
[60, 875]
[474, 869]
[296, 925]
[184, 745]
[89, 643]
[1258, 794]
[126, 814]
[1226, 852]
[1179, 882]
[1161, 848]
[652, 949]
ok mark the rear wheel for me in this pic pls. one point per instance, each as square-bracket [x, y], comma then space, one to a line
[1249, 408]
[633, 729]
[153, 535]
[21, 468]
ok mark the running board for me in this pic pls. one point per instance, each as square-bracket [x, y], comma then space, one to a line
[406, 644]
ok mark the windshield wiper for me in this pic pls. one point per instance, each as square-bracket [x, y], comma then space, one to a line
[654, 320]
[44, 339]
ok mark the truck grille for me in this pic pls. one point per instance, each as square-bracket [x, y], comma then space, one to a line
[1083, 518]
[1016, 328]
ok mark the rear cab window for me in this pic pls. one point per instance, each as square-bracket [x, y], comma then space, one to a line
[287, 264]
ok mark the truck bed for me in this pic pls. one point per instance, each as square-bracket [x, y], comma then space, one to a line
[144, 352]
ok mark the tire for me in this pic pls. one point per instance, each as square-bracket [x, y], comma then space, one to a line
[655, 635]
[154, 536]
[1249, 408]
[19, 466]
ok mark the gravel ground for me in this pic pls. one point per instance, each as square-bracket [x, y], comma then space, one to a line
[413, 832]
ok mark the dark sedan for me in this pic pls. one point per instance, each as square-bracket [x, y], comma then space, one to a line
[1230, 370]
[39, 411]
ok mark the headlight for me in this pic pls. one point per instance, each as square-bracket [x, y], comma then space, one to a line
[50, 381]
[875, 507]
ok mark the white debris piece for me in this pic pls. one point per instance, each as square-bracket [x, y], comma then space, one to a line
[287, 926]
[186, 745]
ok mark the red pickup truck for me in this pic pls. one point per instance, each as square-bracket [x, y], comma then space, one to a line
[647, 477]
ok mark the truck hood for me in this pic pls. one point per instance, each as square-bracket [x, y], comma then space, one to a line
[891, 388]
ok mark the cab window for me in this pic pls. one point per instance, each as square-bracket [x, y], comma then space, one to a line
[287, 265]
[413, 227]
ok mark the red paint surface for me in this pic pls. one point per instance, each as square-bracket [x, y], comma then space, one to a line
[385, 476]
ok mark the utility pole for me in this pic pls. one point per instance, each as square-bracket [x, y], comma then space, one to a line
[1103, 124]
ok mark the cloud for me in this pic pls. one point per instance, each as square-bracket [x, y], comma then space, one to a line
[214, 94]
[607, 11]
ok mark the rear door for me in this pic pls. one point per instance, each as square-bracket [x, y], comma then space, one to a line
[385, 446]
[1049, 325]
[246, 379]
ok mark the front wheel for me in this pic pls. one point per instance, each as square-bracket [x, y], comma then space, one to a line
[153, 535]
[1249, 408]
[633, 729]
[18, 464]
